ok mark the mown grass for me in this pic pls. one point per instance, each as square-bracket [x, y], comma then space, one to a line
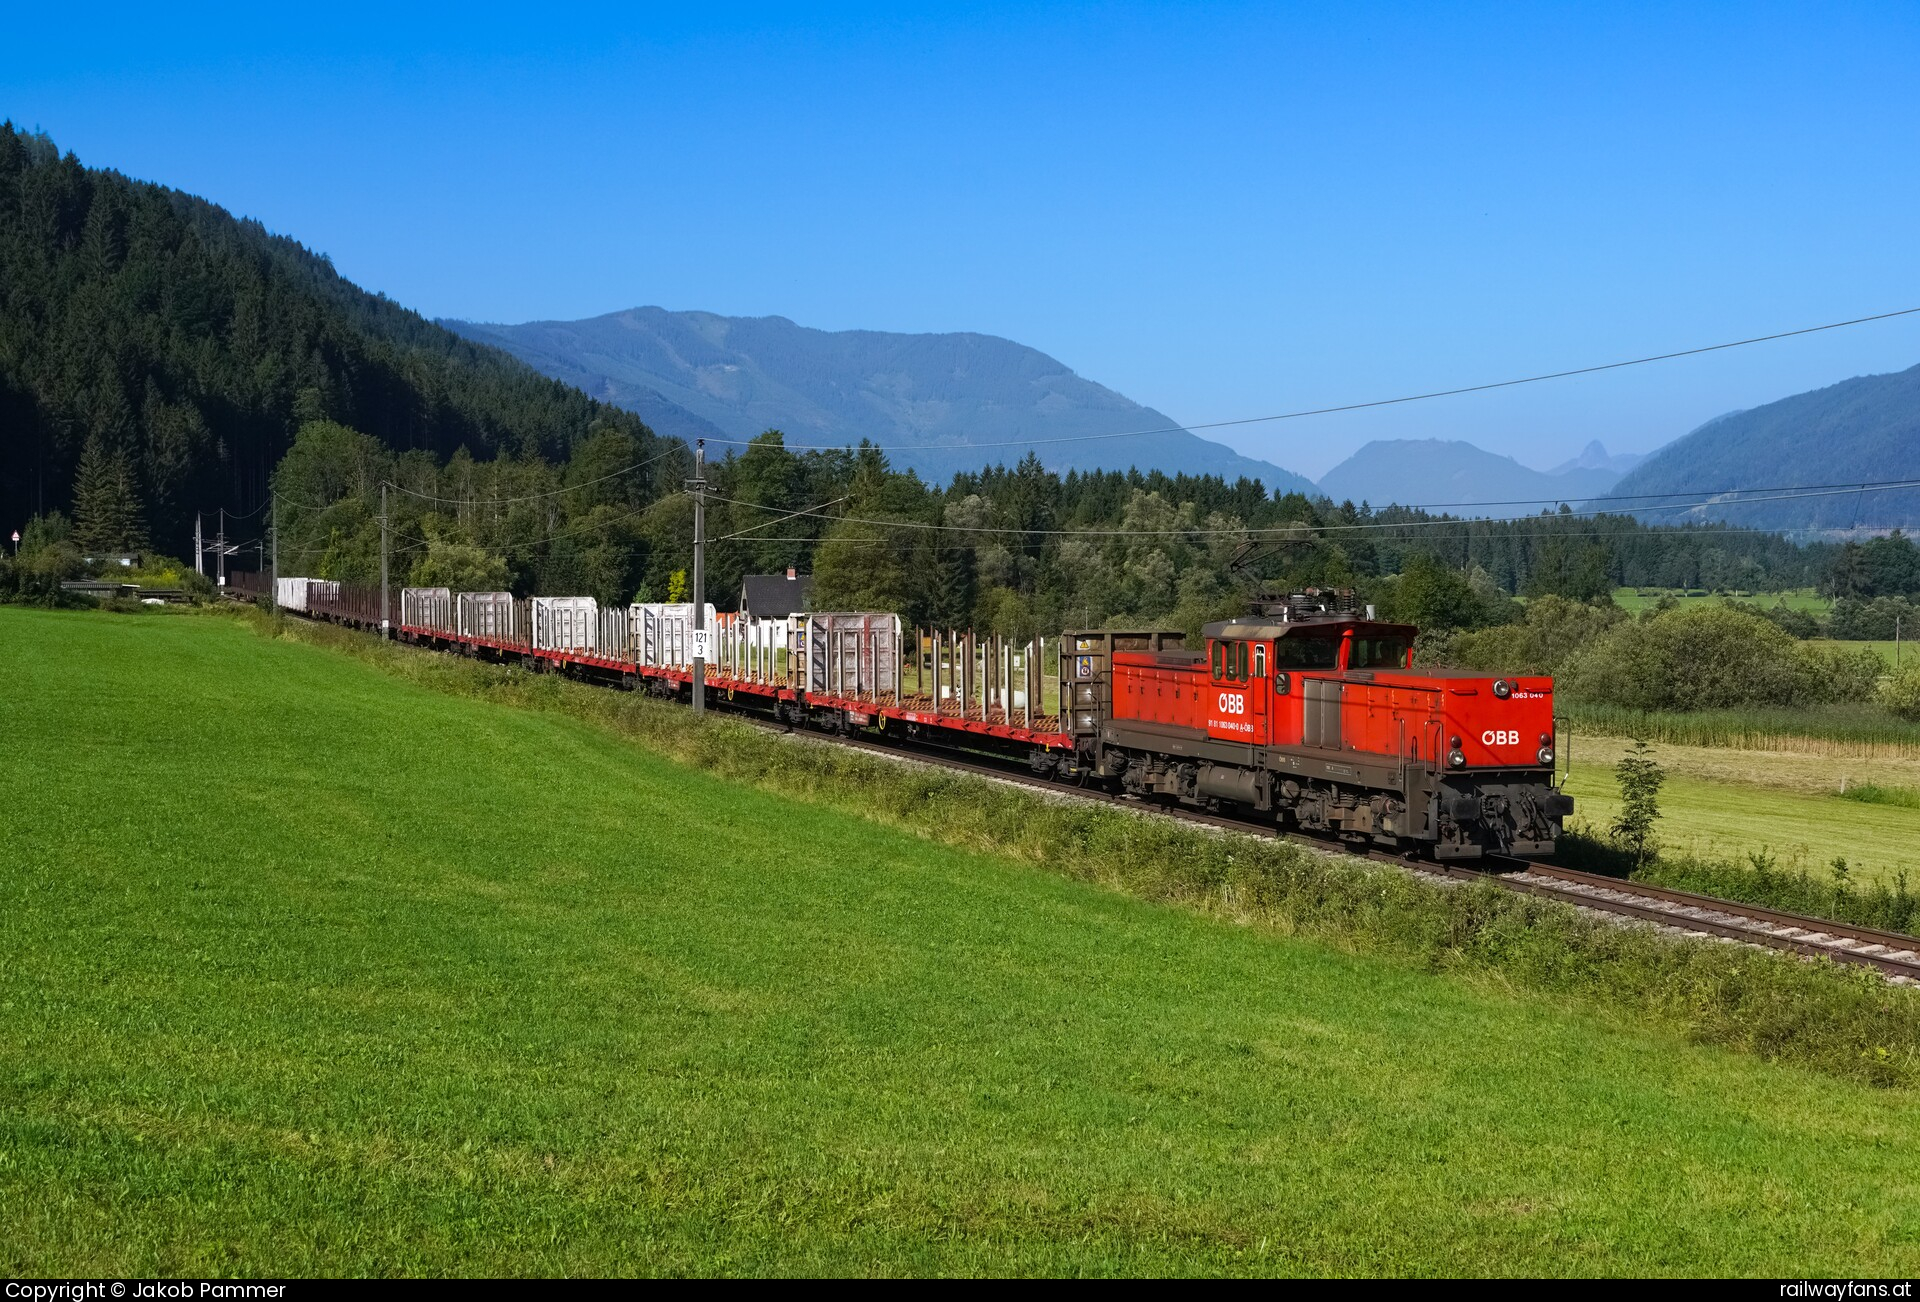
[1707, 818]
[312, 968]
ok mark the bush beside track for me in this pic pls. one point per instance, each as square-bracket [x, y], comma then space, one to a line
[1845, 1022]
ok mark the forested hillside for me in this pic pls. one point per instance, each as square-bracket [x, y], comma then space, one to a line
[1861, 431]
[162, 352]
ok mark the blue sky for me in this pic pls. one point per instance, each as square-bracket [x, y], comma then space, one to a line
[1220, 211]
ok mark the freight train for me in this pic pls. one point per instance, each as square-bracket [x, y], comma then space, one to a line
[1310, 715]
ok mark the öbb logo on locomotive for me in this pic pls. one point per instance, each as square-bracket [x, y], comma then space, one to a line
[1307, 714]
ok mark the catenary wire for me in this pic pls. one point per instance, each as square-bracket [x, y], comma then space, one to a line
[535, 497]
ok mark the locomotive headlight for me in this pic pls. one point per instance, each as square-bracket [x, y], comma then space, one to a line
[1502, 688]
[1453, 743]
[1457, 760]
[1546, 755]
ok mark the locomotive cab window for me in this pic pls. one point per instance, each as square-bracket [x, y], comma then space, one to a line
[1260, 660]
[1378, 653]
[1306, 653]
[1219, 654]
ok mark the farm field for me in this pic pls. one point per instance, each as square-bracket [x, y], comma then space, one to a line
[1635, 600]
[1728, 803]
[311, 970]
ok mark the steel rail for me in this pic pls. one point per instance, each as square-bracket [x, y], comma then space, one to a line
[1800, 921]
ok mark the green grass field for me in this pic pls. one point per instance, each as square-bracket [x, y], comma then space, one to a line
[1636, 600]
[307, 969]
[1727, 804]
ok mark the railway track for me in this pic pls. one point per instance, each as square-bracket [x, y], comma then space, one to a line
[1896, 957]
[1893, 955]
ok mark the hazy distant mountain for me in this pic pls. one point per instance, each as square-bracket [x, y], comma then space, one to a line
[694, 373]
[1858, 431]
[1596, 457]
[1462, 479]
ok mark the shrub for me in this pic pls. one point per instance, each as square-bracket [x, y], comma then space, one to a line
[1794, 623]
[1555, 629]
[1900, 694]
[1839, 675]
[1715, 657]
[1697, 658]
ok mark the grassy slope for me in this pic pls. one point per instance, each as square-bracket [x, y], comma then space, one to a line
[1727, 803]
[402, 982]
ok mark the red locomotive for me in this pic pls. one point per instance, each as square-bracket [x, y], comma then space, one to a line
[1317, 716]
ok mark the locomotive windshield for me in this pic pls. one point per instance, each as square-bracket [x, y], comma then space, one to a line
[1378, 653]
[1306, 653]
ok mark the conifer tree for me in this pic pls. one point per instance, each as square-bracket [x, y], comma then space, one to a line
[106, 501]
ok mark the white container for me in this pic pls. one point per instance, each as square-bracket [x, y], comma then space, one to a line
[427, 608]
[291, 594]
[663, 636]
[566, 624]
[485, 615]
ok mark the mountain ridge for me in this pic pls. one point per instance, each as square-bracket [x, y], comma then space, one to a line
[1865, 429]
[941, 403]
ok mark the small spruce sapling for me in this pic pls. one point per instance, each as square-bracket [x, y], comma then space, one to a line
[1640, 777]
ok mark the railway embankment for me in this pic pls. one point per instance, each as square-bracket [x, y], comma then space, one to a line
[1845, 1022]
